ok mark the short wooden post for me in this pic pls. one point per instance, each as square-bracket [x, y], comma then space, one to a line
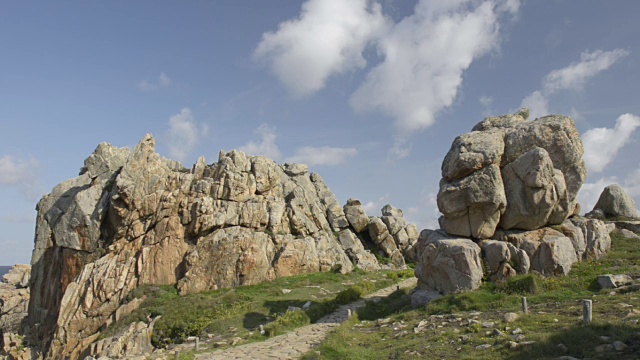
[348, 313]
[176, 355]
[398, 288]
[525, 308]
[587, 313]
[197, 344]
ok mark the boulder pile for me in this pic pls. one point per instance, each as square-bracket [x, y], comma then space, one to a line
[508, 199]
[133, 218]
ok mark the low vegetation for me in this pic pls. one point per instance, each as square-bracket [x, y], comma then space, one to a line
[239, 312]
[471, 325]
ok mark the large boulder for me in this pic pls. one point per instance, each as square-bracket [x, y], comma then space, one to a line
[448, 265]
[133, 218]
[511, 172]
[615, 203]
[356, 215]
[533, 189]
[472, 206]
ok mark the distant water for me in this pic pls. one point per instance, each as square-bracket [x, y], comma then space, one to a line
[4, 270]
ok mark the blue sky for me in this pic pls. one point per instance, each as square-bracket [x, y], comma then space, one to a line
[370, 93]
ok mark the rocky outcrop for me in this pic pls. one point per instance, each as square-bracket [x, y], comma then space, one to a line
[511, 173]
[447, 264]
[14, 298]
[389, 236]
[133, 218]
[614, 203]
[134, 340]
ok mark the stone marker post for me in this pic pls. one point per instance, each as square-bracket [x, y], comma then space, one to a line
[176, 356]
[525, 308]
[197, 344]
[587, 314]
[348, 313]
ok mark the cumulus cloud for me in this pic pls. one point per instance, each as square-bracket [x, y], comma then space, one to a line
[323, 155]
[601, 145]
[575, 75]
[183, 134]
[374, 207]
[266, 146]
[21, 174]
[537, 103]
[162, 82]
[572, 77]
[425, 55]
[327, 38]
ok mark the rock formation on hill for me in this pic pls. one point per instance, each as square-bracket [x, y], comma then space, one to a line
[503, 186]
[133, 218]
[512, 173]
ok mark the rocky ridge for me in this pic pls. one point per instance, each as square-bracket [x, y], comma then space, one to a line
[133, 218]
[508, 198]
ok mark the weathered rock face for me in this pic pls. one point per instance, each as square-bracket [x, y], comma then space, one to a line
[615, 203]
[134, 340]
[14, 298]
[511, 173]
[448, 264]
[133, 218]
[389, 235]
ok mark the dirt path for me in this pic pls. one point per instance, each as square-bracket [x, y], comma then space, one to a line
[294, 344]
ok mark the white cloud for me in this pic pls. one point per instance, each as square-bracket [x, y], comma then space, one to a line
[327, 38]
[162, 82]
[266, 146]
[324, 155]
[374, 207]
[572, 77]
[425, 55]
[183, 134]
[537, 103]
[601, 145]
[21, 174]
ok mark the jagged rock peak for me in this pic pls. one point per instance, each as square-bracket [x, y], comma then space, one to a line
[133, 217]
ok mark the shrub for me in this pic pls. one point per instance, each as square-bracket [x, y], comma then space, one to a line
[527, 284]
[289, 320]
[354, 292]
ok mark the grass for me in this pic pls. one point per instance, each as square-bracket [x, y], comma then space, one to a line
[453, 326]
[238, 312]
